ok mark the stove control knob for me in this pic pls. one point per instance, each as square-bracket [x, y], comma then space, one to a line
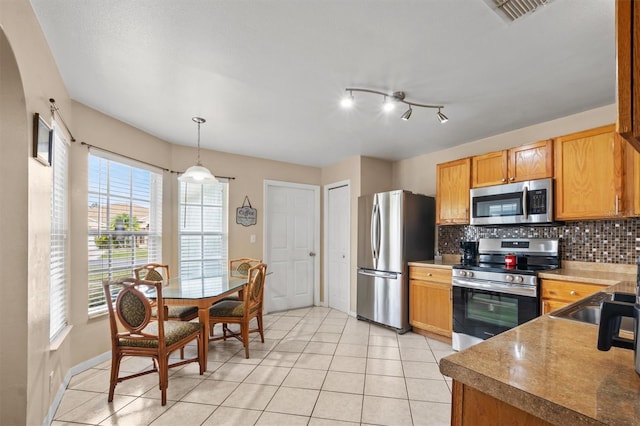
[518, 279]
[469, 274]
[509, 278]
[463, 273]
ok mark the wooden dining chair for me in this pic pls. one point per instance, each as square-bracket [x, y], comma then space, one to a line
[240, 267]
[160, 272]
[135, 333]
[242, 311]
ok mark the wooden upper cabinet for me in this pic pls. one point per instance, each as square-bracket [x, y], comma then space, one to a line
[526, 162]
[631, 205]
[628, 69]
[453, 181]
[634, 196]
[589, 171]
[489, 169]
[532, 161]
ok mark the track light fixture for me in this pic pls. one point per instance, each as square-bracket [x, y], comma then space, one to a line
[443, 118]
[407, 114]
[347, 101]
[390, 99]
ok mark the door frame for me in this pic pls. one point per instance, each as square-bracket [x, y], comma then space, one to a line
[316, 224]
[325, 251]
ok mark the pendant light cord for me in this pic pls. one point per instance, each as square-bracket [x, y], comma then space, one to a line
[198, 161]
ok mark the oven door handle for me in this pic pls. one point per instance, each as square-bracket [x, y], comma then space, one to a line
[525, 202]
[497, 287]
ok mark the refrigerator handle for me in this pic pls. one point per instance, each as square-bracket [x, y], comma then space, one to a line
[374, 236]
[377, 232]
[377, 274]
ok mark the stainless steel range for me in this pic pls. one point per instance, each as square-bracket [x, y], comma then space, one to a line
[499, 291]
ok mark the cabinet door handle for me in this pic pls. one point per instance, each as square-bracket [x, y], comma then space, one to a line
[572, 292]
[512, 178]
[504, 180]
[429, 274]
[450, 294]
[617, 204]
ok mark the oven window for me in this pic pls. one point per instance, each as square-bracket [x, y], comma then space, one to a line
[498, 205]
[500, 310]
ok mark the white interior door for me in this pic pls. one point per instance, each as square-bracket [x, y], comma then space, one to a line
[337, 243]
[291, 244]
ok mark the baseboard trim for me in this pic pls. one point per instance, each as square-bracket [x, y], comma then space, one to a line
[67, 378]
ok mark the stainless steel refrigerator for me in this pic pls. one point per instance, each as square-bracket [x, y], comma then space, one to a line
[393, 228]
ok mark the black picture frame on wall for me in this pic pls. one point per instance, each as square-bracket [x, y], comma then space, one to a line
[42, 134]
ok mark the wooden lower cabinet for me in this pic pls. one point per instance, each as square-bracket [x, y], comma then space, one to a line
[474, 408]
[430, 304]
[555, 294]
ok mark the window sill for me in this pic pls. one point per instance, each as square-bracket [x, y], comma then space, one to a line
[98, 314]
[55, 344]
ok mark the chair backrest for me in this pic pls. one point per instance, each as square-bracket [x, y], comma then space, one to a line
[254, 293]
[152, 272]
[240, 267]
[132, 310]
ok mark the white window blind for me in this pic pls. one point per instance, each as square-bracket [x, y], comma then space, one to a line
[58, 274]
[202, 229]
[125, 221]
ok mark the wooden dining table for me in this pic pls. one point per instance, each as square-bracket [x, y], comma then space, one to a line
[201, 292]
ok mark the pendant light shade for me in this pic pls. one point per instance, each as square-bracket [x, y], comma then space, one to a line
[197, 173]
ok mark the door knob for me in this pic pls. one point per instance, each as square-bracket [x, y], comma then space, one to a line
[312, 254]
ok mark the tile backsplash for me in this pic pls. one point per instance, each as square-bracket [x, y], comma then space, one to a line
[603, 241]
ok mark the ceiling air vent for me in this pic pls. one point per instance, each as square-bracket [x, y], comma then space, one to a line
[510, 10]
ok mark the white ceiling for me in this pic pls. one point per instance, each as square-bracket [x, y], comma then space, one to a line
[268, 74]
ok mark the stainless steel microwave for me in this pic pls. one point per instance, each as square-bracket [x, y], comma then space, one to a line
[525, 202]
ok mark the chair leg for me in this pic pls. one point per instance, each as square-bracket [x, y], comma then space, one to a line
[115, 370]
[182, 352]
[201, 350]
[244, 329]
[260, 329]
[224, 331]
[163, 372]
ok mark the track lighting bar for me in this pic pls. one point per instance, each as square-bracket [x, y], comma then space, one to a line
[389, 98]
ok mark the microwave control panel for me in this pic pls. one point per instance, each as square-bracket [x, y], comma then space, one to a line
[537, 201]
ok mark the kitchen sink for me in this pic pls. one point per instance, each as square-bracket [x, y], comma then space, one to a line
[587, 310]
[590, 314]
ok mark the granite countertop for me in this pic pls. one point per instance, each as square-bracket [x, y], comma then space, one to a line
[550, 367]
[591, 273]
[448, 260]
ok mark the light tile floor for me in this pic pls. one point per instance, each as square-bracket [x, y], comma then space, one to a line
[317, 366]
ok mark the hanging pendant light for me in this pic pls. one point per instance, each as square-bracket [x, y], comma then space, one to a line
[197, 173]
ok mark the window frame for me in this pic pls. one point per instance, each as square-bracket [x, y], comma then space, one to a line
[59, 236]
[207, 265]
[121, 245]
